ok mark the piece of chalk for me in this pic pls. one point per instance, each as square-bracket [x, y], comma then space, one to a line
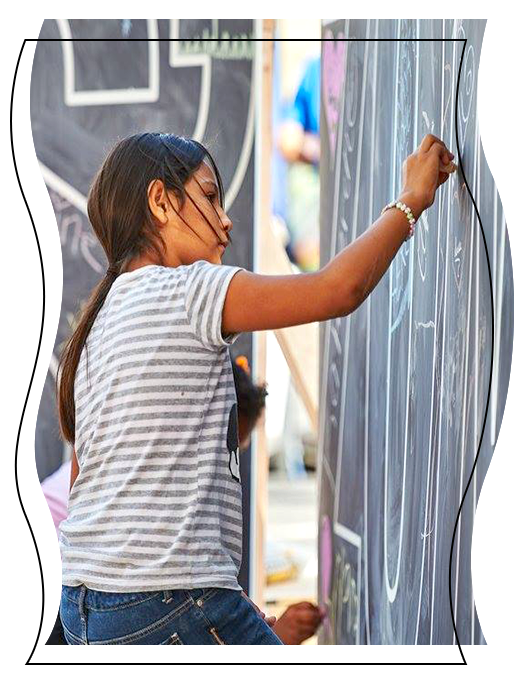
[449, 169]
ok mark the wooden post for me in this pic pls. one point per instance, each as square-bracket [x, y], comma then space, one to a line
[261, 467]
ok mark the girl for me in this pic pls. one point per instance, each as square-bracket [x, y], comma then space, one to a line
[151, 547]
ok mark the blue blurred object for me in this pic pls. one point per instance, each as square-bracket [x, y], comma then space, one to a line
[306, 106]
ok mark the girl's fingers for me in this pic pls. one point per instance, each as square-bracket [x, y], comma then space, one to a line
[429, 140]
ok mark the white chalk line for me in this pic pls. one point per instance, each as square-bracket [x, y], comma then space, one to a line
[354, 227]
[368, 330]
[443, 338]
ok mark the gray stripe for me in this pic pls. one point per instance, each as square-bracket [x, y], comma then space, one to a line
[182, 568]
[96, 542]
[163, 494]
[180, 540]
[104, 465]
[164, 506]
[175, 582]
[167, 483]
[188, 431]
[202, 361]
[132, 518]
[163, 520]
[171, 474]
[166, 416]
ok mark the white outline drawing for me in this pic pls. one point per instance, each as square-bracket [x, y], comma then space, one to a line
[116, 96]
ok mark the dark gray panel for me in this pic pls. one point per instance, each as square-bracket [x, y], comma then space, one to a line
[405, 378]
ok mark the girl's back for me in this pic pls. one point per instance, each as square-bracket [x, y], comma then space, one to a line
[157, 503]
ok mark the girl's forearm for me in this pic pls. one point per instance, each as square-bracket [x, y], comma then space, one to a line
[355, 271]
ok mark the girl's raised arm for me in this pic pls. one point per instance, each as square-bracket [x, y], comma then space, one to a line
[255, 302]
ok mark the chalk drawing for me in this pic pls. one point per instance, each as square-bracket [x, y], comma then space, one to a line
[411, 443]
[466, 88]
[400, 292]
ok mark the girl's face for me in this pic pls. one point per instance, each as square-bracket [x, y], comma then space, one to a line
[200, 229]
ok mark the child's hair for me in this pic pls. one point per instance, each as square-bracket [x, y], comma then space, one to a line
[124, 225]
[250, 397]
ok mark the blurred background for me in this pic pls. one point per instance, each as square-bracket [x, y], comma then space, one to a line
[291, 539]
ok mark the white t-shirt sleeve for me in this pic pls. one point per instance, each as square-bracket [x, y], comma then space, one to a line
[205, 293]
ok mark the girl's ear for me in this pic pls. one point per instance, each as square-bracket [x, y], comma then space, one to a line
[158, 201]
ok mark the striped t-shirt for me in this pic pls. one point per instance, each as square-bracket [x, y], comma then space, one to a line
[157, 502]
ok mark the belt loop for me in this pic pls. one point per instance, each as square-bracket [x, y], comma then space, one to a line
[168, 596]
[83, 613]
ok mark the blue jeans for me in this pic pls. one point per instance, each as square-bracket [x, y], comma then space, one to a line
[211, 616]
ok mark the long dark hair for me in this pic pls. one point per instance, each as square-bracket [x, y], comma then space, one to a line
[124, 225]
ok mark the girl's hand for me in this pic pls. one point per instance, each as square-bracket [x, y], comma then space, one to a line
[422, 173]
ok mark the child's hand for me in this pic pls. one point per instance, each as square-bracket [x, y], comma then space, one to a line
[424, 171]
[298, 623]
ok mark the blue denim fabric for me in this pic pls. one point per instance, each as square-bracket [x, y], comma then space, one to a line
[207, 616]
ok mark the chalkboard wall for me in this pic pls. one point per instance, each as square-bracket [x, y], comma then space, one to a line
[96, 81]
[405, 379]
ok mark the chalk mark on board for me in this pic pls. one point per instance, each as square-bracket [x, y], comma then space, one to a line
[498, 287]
[404, 78]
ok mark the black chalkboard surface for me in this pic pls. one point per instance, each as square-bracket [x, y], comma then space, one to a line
[405, 379]
[95, 81]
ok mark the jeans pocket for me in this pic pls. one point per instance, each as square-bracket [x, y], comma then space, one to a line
[173, 640]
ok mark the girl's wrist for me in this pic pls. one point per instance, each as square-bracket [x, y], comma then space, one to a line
[408, 210]
[411, 200]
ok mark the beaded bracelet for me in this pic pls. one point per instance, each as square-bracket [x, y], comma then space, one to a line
[404, 208]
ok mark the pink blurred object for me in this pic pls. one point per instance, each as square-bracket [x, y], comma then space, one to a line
[333, 74]
[56, 490]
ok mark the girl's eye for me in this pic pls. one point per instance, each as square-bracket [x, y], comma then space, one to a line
[212, 197]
